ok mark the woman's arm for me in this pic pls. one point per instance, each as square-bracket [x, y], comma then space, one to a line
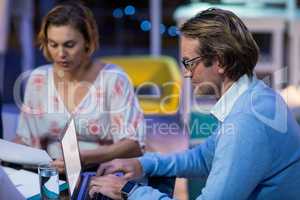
[125, 148]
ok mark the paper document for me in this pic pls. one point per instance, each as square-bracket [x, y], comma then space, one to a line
[25, 181]
[21, 154]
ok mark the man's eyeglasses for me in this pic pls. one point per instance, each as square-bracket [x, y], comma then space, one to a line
[189, 64]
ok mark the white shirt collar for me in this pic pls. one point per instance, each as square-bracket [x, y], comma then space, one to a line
[223, 107]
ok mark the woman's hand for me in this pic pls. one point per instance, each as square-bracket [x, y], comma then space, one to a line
[59, 164]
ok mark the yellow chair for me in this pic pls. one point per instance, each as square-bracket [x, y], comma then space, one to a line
[157, 81]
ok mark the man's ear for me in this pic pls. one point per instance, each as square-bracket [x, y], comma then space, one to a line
[217, 67]
[220, 69]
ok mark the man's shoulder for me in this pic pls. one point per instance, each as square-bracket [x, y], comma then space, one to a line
[259, 98]
[261, 106]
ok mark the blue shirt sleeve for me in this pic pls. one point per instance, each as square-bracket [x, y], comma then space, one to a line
[195, 162]
[191, 163]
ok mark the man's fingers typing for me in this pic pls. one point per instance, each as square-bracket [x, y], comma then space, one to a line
[93, 190]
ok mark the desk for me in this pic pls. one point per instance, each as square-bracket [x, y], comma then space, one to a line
[27, 182]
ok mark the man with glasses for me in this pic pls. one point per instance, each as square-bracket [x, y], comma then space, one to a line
[254, 153]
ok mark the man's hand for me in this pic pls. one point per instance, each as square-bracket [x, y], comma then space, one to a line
[108, 185]
[59, 164]
[130, 167]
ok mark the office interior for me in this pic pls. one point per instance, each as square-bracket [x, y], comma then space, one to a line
[143, 37]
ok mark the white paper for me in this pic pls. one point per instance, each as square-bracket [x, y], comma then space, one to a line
[25, 181]
[7, 188]
[21, 154]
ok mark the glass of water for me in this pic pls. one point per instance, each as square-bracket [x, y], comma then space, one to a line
[49, 182]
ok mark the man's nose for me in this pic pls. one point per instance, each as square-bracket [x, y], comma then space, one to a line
[187, 73]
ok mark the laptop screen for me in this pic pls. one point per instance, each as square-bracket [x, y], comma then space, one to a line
[71, 156]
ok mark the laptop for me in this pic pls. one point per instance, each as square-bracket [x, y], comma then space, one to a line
[78, 182]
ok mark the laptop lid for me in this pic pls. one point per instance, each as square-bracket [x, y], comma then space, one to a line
[71, 157]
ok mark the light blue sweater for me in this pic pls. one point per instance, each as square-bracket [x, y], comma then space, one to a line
[253, 154]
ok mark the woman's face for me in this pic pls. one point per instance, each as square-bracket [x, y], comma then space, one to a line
[66, 46]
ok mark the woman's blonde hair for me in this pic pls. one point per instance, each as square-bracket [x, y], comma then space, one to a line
[79, 17]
